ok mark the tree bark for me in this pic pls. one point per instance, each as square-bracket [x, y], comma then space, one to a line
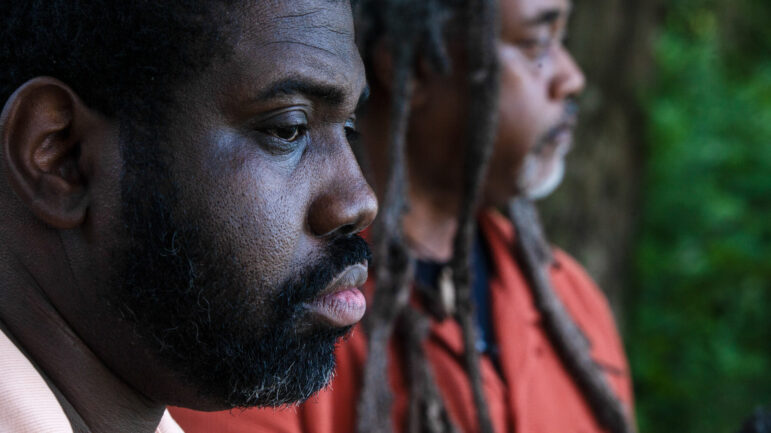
[594, 213]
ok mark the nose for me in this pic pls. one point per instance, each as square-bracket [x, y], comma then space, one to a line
[569, 81]
[345, 207]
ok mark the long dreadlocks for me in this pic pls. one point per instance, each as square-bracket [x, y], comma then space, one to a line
[534, 257]
[413, 27]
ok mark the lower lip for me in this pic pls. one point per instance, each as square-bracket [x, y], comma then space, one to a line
[561, 143]
[340, 309]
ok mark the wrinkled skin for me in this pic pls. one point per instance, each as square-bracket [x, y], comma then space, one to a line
[539, 79]
[256, 179]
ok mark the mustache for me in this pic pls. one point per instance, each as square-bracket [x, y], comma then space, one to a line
[567, 122]
[339, 255]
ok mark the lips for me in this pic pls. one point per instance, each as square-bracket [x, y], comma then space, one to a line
[558, 140]
[342, 303]
[563, 142]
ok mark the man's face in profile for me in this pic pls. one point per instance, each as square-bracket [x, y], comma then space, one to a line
[539, 80]
[241, 262]
[537, 114]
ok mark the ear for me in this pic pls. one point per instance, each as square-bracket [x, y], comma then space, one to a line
[383, 71]
[42, 127]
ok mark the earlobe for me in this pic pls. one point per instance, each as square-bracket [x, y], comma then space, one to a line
[42, 127]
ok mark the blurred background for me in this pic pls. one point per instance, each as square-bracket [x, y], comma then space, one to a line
[668, 199]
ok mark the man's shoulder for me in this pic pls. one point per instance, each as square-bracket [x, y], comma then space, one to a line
[572, 280]
[568, 276]
[589, 307]
[27, 404]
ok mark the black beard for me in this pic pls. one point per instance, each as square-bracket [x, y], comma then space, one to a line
[189, 300]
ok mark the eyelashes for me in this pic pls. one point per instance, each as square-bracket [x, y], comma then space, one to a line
[290, 132]
[284, 133]
[536, 48]
[540, 47]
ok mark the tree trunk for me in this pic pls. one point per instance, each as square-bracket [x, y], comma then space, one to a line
[594, 213]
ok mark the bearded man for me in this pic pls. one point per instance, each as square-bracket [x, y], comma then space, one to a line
[179, 207]
[519, 379]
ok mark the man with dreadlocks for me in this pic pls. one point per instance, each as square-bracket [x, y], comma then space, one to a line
[528, 344]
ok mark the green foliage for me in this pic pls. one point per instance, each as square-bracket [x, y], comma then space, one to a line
[699, 331]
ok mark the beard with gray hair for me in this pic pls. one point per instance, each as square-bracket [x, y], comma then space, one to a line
[192, 303]
[544, 166]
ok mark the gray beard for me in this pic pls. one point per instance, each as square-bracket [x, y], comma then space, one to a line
[537, 179]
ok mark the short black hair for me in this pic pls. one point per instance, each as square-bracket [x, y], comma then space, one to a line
[121, 57]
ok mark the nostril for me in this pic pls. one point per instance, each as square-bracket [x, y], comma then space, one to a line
[349, 229]
[333, 214]
[342, 211]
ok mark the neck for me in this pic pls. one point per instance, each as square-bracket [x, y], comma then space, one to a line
[93, 398]
[431, 224]
[431, 221]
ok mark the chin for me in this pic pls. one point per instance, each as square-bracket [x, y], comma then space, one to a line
[548, 185]
[538, 179]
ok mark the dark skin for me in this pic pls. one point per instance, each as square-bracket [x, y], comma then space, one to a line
[260, 141]
[538, 77]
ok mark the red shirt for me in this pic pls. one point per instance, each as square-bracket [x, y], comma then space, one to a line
[532, 393]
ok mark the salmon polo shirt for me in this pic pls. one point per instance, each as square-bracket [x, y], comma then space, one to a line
[27, 404]
[528, 391]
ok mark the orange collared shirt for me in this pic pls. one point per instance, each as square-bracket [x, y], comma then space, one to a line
[532, 392]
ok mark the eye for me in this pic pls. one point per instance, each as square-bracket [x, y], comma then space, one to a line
[288, 133]
[536, 48]
[283, 133]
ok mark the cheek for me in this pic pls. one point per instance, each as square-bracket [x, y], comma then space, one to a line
[264, 228]
[520, 123]
[516, 132]
[520, 110]
[255, 211]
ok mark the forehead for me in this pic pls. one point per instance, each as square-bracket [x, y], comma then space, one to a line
[291, 37]
[521, 12]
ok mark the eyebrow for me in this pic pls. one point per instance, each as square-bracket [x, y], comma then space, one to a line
[331, 95]
[548, 16]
